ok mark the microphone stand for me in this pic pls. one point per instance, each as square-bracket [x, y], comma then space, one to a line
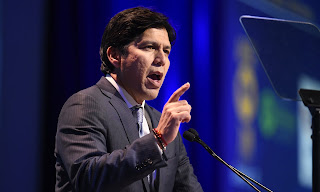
[236, 171]
[195, 137]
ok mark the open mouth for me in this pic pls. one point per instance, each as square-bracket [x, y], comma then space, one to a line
[155, 75]
[155, 79]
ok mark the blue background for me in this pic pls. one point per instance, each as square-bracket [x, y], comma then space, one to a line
[49, 49]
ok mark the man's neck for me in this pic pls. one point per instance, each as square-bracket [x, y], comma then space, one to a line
[125, 95]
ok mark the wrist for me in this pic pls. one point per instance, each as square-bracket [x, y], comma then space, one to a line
[160, 140]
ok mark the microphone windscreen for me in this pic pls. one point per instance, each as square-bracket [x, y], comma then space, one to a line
[189, 136]
[194, 132]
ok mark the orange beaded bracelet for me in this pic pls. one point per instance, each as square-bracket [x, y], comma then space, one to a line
[161, 141]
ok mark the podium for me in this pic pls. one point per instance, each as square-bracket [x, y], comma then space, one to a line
[289, 51]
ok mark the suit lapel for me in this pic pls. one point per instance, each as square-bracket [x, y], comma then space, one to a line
[153, 118]
[128, 122]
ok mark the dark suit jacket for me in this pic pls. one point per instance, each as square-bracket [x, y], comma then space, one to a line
[98, 147]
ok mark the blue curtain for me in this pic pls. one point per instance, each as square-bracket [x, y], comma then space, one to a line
[73, 62]
[51, 50]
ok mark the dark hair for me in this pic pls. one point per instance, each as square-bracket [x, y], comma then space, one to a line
[127, 25]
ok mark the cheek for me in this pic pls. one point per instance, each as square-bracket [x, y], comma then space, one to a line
[129, 64]
[143, 64]
[136, 70]
[130, 61]
[167, 66]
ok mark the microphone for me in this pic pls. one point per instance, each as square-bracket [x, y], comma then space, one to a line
[193, 135]
[189, 136]
[194, 132]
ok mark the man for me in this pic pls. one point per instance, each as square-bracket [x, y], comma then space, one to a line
[99, 144]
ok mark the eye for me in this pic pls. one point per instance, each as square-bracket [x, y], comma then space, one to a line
[149, 47]
[166, 51]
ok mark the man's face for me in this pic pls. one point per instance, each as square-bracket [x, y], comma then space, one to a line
[144, 67]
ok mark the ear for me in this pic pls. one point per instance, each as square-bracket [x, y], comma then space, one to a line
[114, 56]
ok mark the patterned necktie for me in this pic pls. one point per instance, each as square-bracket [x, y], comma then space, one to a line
[138, 113]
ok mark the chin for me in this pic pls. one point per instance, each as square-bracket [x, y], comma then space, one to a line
[151, 94]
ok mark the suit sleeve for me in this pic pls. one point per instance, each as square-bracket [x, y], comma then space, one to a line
[82, 149]
[185, 178]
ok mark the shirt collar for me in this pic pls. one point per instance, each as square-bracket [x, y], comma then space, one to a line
[124, 94]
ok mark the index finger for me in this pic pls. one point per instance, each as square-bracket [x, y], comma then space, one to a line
[179, 92]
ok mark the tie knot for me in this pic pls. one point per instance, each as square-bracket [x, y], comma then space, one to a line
[136, 107]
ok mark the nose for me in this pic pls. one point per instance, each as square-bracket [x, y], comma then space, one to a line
[160, 58]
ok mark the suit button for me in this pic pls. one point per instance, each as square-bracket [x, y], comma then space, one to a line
[149, 161]
[138, 168]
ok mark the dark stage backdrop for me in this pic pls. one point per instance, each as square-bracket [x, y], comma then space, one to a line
[49, 50]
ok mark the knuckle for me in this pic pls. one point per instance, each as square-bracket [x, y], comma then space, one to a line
[167, 107]
[185, 102]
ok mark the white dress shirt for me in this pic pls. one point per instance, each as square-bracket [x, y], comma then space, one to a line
[130, 103]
